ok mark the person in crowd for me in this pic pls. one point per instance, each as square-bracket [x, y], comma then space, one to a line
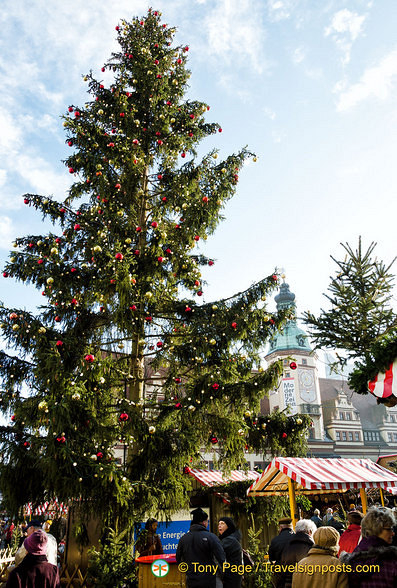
[149, 542]
[336, 521]
[277, 544]
[351, 537]
[230, 538]
[328, 516]
[200, 547]
[8, 532]
[296, 549]
[374, 560]
[316, 518]
[51, 545]
[34, 570]
[326, 570]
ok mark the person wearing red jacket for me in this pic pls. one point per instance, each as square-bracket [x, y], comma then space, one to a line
[351, 537]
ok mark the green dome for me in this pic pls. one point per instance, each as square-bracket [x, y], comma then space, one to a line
[291, 337]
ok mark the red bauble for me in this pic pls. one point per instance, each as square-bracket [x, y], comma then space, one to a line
[99, 455]
[211, 262]
[188, 309]
[199, 293]
[77, 114]
[234, 325]
[186, 470]
[119, 256]
[178, 405]
[118, 186]
[122, 114]
[159, 344]
[154, 225]
[214, 440]
[70, 109]
[178, 380]
[148, 319]
[197, 238]
[215, 386]
[26, 200]
[77, 227]
[13, 418]
[123, 417]
[102, 69]
[133, 307]
[5, 275]
[136, 252]
[70, 143]
[40, 261]
[168, 251]
[293, 365]
[220, 130]
[183, 154]
[57, 240]
[61, 439]
[59, 343]
[62, 210]
[160, 259]
[138, 229]
[89, 358]
[284, 435]
[71, 170]
[274, 278]
[164, 199]
[57, 319]
[26, 444]
[205, 198]
[73, 270]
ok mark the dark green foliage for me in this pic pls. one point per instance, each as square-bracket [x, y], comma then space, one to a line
[129, 375]
[112, 564]
[361, 320]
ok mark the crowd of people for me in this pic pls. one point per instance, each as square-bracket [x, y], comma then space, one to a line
[36, 559]
[324, 553]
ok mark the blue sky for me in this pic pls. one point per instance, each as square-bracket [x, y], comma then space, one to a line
[309, 86]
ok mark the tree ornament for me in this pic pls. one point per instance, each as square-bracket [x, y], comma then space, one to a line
[61, 439]
[234, 325]
[89, 358]
[298, 421]
[284, 435]
[293, 365]
[213, 439]
[59, 343]
[152, 430]
[123, 417]
[119, 256]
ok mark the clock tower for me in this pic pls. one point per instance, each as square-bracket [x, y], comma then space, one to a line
[298, 390]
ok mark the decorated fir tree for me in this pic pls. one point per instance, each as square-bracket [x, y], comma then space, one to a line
[123, 352]
[361, 321]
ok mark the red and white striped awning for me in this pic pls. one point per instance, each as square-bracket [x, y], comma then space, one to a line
[385, 384]
[217, 478]
[321, 476]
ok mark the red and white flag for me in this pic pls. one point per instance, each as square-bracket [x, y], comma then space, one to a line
[385, 384]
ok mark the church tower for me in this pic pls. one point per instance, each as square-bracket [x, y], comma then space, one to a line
[299, 389]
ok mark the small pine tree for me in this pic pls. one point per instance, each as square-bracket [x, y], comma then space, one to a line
[113, 564]
[361, 320]
[123, 353]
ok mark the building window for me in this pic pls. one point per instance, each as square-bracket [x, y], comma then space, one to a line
[311, 433]
[337, 435]
[287, 374]
[348, 416]
[357, 436]
[394, 436]
[304, 361]
[392, 418]
[390, 437]
[350, 436]
[372, 436]
[344, 436]
[285, 361]
[341, 416]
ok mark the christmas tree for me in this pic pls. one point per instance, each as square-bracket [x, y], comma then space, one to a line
[361, 321]
[123, 353]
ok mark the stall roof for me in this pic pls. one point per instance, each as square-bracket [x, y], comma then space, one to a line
[217, 478]
[321, 476]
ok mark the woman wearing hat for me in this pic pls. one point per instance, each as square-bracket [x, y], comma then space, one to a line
[375, 553]
[317, 569]
[34, 570]
[230, 538]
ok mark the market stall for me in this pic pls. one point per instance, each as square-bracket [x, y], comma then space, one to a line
[289, 475]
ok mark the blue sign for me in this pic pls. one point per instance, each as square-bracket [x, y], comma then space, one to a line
[170, 533]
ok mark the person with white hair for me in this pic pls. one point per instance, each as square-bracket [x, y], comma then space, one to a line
[316, 518]
[297, 549]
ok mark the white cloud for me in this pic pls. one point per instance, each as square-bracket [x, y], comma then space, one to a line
[377, 82]
[3, 177]
[235, 34]
[345, 28]
[280, 9]
[269, 113]
[298, 55]
[7, 232]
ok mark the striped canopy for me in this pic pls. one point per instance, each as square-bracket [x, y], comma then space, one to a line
[385, 384]
[321, 476]
[217, 478]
